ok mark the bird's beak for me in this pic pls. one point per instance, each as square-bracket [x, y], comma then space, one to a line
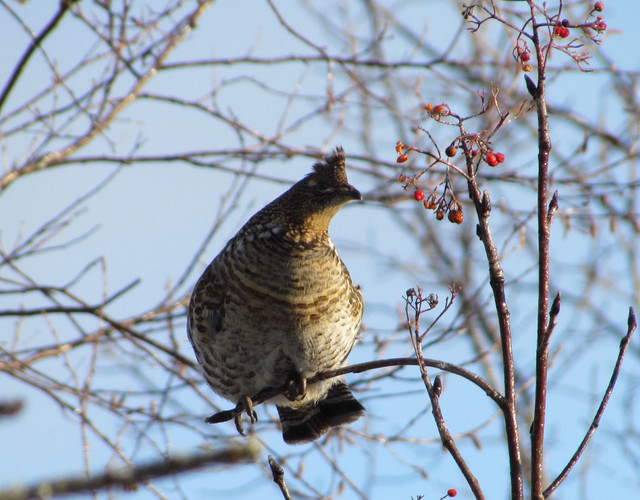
[354, 193]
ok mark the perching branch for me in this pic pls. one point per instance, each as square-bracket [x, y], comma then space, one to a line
[265, 395]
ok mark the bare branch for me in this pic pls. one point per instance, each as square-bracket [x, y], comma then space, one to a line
[130, 477]
[260, 398]
[35, 43]
[278, 477]
[624, 344]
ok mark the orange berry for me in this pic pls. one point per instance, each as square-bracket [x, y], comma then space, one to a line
[527, 67]
[429, 107]
[450, 151]
[455, 216]
[418, 195]
[402, 158]
[439, 215]
[399, 147]
[439, 109]
[429, 204]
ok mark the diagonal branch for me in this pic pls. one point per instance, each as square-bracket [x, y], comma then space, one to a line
[35, 43]
[624, 344]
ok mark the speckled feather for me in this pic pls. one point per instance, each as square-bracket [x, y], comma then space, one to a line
[278, 303]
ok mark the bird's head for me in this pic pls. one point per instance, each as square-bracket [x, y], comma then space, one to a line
[319, 196]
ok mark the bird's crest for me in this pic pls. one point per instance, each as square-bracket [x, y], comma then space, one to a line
[333, 168]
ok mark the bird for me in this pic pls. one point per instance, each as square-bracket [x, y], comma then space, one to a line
[277, 306]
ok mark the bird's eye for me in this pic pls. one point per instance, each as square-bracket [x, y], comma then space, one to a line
[319, 186]
[323, 188]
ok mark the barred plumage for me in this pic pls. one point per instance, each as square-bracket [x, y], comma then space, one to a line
[278, 306]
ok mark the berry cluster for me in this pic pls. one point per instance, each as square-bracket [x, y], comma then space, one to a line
[493, 159]
[600, 25]
[441, 206]
[402, 157]
[561, 30]
[473, 145]
[524, 56]
[443, 201]
[438, 110]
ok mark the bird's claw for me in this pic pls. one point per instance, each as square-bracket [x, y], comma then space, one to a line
[297, 388]
[245, 405]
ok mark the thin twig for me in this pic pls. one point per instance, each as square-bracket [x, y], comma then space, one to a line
[415, 301]
[278, 477]
[624, 344]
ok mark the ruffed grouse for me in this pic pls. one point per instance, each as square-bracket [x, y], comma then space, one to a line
[277, 306]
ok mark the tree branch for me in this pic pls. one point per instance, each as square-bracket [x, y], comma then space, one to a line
[278, 477]
[131, 476]
[624, 344]
[265, 395]
[35, 43]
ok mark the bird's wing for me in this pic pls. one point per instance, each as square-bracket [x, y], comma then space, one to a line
[206, 308]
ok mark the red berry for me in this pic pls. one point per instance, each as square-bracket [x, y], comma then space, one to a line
[452, 492]
[525, 56]
[601, 26]
[491, 159]
[599, 6]
[402, 158]
[561, 31]
[499, 157]
[418, 195]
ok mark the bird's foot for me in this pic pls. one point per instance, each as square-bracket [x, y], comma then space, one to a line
[297, 388]
[245, 405]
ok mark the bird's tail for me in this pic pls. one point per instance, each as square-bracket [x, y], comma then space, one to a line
[309, 422]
